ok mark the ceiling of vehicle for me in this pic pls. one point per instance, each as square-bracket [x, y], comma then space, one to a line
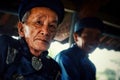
[108, 12]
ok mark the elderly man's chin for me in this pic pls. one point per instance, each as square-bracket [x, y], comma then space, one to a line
[41, 46]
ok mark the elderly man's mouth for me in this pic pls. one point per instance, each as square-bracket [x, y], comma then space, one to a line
[43, 40]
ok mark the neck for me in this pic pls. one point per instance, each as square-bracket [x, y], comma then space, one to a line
[36, 53]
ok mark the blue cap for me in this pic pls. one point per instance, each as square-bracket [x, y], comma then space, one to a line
[55, 5]
[89, 22]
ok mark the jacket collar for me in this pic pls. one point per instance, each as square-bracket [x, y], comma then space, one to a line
[26, 52]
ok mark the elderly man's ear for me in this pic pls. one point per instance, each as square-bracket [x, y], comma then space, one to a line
[20, 29]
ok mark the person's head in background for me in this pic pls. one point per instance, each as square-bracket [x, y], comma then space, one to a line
[38, 22]
[87, 33]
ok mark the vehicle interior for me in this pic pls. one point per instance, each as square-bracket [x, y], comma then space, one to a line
[106, 10]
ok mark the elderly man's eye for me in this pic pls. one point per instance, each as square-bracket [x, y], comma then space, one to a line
[53, 26]
[39, 22]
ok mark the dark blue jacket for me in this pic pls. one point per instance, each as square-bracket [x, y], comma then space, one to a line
[75, 64]
[16, 64]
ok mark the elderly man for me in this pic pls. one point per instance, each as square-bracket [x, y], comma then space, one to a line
[27, 58]
[74, 61]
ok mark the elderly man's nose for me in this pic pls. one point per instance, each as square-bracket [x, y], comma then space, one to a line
[45, 31]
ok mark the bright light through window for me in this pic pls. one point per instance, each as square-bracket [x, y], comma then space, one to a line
[56, 47]
[104, 58]
[107, 63]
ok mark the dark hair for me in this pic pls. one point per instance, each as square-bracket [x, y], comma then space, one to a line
[89, 22]
[25, 17]
[79, 32]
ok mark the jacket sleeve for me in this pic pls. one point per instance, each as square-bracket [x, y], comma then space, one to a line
[69, 71]
[3, 51]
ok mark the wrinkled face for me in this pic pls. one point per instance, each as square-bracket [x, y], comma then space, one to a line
[88, 40]
[39, 29]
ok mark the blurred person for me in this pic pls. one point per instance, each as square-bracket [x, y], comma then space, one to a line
[74, 61]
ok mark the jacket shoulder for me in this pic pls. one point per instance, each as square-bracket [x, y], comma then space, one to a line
[4, 38]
